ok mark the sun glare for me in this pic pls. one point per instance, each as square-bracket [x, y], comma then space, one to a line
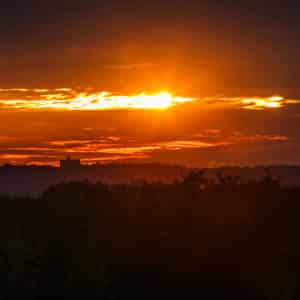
[160, 101]
[105, 100]
[66, 99]
[100, 101]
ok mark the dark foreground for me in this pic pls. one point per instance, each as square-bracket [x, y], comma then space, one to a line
[196, 239]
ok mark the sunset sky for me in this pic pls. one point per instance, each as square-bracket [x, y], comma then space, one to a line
[201, 83]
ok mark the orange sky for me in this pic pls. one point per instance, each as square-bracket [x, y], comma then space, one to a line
[192, 82]
[41, 126]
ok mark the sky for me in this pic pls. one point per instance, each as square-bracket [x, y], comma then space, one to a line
[200, 83]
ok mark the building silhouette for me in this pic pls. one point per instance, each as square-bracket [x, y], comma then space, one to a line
[70, 164]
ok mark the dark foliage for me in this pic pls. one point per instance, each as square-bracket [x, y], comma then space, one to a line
[226, 239]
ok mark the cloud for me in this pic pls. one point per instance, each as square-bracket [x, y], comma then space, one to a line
[33, 130]
[134, 66]
[2, 90]
[91, 99]
[113, 148]
[67, 99]
[250, 103]
[240, 138]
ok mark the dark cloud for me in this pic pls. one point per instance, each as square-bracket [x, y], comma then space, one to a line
[237, 44]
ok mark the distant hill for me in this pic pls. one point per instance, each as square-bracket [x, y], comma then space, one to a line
[33, 180]
[30, 180]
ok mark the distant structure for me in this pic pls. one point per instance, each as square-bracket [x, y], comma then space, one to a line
[70, 164]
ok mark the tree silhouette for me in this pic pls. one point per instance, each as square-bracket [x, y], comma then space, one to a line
[230, 239]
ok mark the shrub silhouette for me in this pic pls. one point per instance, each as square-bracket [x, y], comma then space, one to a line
[224, 237]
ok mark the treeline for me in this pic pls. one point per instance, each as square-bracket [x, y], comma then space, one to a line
[221, 239]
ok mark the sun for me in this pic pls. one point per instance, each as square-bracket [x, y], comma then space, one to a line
[162, 100]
